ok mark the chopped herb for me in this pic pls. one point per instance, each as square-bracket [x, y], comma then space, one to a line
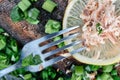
[24, 5]
[116, 77]
[32, 16]
[98, 28]
[13, 58]
[114, 72]
[22, 11]
[1, 30]
[3, 61]
[2, 66]
[60, 78]
[20, 71]
[76, 77]
[16, 14]
[32, 21]
[48, 74]
[98, 78]
[14, 46]
[107, 68]
[33, 13]
[25, 13]
[49, 5]
[31, 60]
[92, 68]
[9, 52]
[61, 44]
[27, 61]
[45, 75]
[37, 59]
[52, 26]
[58, 38]
[79, 70]
[2, 42]
[106, 76]
[28, 76]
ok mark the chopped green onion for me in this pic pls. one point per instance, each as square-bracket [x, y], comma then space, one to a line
[24, 5]
[32, 16]
[92, 68]
[107, 68]
[73, 76]
[20, 70]
[79, 78]
[26, 2]
[52, 26]
[32, 21]
[114, 72]
[57, 38]
[31, 60]
[45, 75]
[98, 78]
[33, 13]
[37, 59]
[2, 66]
[116, 77]
[53, 75]
[13, 58]
[79, 70]
[3, 58]
[60, 78]
[1, 30]
[27, 77]
[106, 76]
[3, 61]
[14, 46]
[8, 51]
[27, 61]
[61, 45]
[16, 14]
[2, 42]
[25, 14]
[76, 77]
[98, 28]
[49, 5]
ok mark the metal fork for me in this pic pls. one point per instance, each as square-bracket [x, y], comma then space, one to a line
[34, 48]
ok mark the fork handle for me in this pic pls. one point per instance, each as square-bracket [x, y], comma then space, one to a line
[10, 69]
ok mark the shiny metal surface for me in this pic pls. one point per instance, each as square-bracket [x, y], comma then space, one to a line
[34, 48]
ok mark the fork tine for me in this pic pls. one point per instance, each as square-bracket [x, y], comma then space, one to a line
[45, 46]
[48, 54]
[39, 67]
[50, 36]
[56, 42]
[54, 60]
